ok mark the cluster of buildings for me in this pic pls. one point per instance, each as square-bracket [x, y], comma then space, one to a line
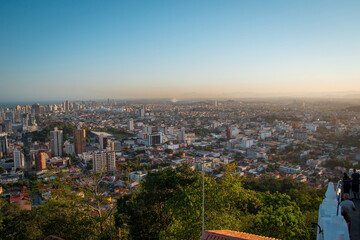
[127, 140]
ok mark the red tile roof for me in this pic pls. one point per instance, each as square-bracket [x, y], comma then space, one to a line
[18, 197]
[231, 235]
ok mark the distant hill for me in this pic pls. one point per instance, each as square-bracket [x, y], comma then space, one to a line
[354, 108]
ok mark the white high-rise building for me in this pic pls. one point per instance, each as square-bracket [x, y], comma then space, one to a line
[25, 121]
[130, 125]
[18, 159]
[104, 161]
[56, 138]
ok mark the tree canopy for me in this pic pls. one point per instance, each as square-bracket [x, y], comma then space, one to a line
[169, 206]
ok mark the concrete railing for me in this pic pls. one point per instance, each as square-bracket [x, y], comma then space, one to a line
[331, 225]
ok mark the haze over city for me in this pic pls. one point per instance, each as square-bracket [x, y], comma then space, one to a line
[56, 50]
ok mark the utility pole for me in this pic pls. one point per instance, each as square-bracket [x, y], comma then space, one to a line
[203, 199]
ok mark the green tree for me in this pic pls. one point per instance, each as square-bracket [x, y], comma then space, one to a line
[227, 205]
[97, 201]
[65, 217]
[143, 214]
[280, 219]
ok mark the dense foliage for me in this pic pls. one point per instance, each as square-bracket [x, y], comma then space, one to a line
[333, 163]
[63, 217]
[169, 203]
[64, 214]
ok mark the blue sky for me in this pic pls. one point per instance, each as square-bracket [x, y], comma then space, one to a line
[54, 50]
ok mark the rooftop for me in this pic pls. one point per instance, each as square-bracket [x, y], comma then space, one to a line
[231, 235]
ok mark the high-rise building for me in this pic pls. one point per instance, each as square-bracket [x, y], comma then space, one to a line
[147, 129]
[103, 141]
[110, 145]
[27, 109]
[3, 144]
[18, 158]
[228, 132]
[156, 138]
[69, 147]
[67, 106]
[25, 121]
[104, 161]
[142, 111]
[130, 125]
[41, 161]
[162, 129]
[79, 140]
[182, 135]
[7, 126]
[36, 108]
[117, 146]
[10, 116]
[56, 142]
[32, 119]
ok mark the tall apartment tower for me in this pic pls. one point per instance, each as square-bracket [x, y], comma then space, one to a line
[104, 161]
[79, 140]
[67, 106]
[103, 141]
[130, 124]
[7, 126]
[182, 135]
[36, 108]
[18, 158]
[56, 142]
[41, 161]
[142, 111]
[3, 144]
[228, 132]
[9, 115]
[25, 121]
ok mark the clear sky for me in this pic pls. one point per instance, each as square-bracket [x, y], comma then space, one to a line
[58, 49]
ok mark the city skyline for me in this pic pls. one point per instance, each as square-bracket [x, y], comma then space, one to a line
[207, 49]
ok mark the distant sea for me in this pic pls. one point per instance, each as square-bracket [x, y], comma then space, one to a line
[24, 103]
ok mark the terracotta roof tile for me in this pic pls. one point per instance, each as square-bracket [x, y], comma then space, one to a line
[231, 235]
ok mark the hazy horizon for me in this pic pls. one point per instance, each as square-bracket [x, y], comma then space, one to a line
[341, 96]
[51, 51]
